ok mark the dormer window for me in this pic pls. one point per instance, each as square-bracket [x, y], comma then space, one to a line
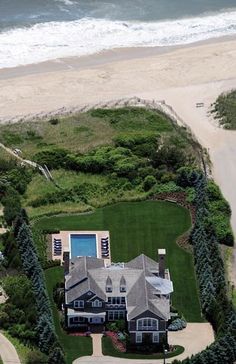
[97, 303]
[122, 284]
[108, 284]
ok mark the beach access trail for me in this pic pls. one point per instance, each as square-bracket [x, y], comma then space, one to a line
[182, 77]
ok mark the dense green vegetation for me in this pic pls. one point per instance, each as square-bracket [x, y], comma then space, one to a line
[224, 109]
[85, 131]
[99, 158]
[215, 303]
[143, 227]
[109, 155]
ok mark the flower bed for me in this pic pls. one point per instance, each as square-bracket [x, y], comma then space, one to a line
[119, 345]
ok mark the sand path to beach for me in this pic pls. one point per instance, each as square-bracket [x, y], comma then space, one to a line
[181, 77]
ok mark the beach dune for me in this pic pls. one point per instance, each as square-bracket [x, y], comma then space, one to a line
[182, 77]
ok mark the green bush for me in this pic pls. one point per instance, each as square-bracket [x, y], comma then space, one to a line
[149, 182]
[219, 214]
[170, 156]
[36, 357]
[186, 176]
[12, 205]
[19, 178]
[53, 158]
[166, 187]
[141, 144]
[54, 121]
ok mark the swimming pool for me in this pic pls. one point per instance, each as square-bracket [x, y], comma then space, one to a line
[83, 245]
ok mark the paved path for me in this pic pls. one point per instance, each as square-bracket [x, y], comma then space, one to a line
[97, 344]
[8, 352]
[195, 338]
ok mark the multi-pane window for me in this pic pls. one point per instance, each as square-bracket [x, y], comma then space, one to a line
[116, 315]
[77, 319]
[79, 304]
[147, 324]
[139, 337]
[155, 337]
[116, 300]
[97, 303]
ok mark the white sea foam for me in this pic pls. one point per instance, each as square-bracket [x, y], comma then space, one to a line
[47, 41]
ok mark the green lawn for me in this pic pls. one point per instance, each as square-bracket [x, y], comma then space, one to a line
[142, 227]
[73, 347]
[108, 349]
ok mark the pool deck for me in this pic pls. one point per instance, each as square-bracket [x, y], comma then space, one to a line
[64, 236]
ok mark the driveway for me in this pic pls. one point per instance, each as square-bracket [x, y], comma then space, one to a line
[7, 351]
[196, 337]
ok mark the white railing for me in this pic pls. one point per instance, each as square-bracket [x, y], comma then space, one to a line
[147, 328]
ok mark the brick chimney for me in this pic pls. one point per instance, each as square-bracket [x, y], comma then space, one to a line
[66, 258]
[161, 262]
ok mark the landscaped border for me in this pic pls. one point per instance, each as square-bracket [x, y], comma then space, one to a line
[108, 349]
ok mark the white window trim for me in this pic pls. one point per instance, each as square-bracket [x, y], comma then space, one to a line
[138, 337]
[111, 315]
[147, 327]
[155, 337]
[96, 303]
[79, 304]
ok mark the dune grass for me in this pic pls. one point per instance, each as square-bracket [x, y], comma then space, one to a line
[85, 131]
[143, 227]
[224, 110]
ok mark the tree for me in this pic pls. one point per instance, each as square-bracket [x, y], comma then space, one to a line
[56, 356]
[12, 205]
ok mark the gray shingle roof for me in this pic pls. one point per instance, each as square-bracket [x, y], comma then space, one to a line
[143, 286]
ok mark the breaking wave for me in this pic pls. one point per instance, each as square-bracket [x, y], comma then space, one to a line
[52, 40]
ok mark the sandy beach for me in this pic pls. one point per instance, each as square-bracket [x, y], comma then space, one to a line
[180, 76]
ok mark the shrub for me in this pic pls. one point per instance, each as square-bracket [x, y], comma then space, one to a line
[170, 156]
[54, 121]
[53, 158]
[12, 205]
[19, 178]
[56, 356]
[36, 357]
[149, 182]
[141, 144]
[4, 320]
[187, 176]
[177, 324]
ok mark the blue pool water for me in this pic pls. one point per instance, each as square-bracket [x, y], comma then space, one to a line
[83, 245]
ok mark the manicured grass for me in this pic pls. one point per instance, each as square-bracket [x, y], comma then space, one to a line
[73, 346]
[109, 349]
[143, 227]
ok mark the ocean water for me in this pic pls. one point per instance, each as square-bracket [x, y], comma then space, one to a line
[33, 31]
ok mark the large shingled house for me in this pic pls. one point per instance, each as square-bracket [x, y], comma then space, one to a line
[137, 291]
